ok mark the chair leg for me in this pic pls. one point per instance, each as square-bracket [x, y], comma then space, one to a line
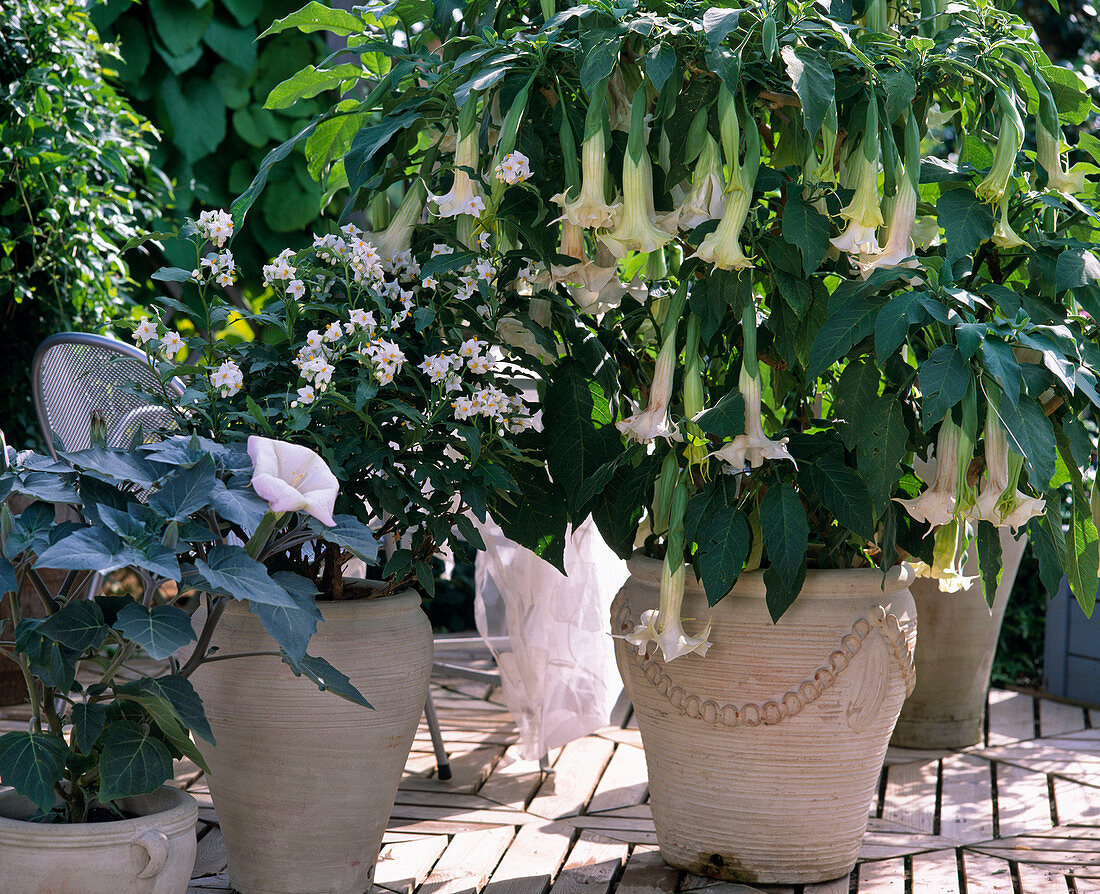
[443, 765]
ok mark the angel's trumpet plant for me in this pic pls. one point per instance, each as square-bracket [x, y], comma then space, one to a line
[900, 248]
[753, 447]
[825, 169]
[697, 450]
[397, 237]
[863, 214]
[596, 288]
[1003, 234]
[999, 500]
[590, 208]
[465, 196]
[664, 625]
[705, 201]
[636, 224]
[655, 421]
[723, 246]
[937, 505]
[948, 558]
[1009, 140]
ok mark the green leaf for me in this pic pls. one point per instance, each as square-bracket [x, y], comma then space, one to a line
[1031, 435]
[351, 534]
[236, 45]
[8, 581]
[855, 390]
[196, 113]
[239, 505]
[1049, 550]
[853, 322]
[229, 570]
[1076, 268]
[989, 560]
[244, 201]
[723, 542]
[812, 78]
[291, 628]
[893, 322]
[169, 724]
[328, 678]
[180, 25]
[786, 533]
[114, 466]
[1083, 543]
[843, 493]
[599, 61]
[1000, 360]
[308, 82]
[881, 447]
[33, 764]
[185, 492]
[578, 422]
[620, 507]
[660, 63]
[370, 140]
[172, 274]
[967, 222]
[88, 719]
[808, 228]
[535, 519]
[719, 23]
[50, 662]
[181, 695]
[160, 631]
[944, 378]
[900, 92]
[726, 419]
[78, 626]
[97, 549]
[133, 762]
[316, 16]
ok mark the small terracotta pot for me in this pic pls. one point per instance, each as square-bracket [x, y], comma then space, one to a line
[153, 853]
[764, 755]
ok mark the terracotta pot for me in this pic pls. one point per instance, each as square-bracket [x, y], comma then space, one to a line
[153, 853]
[764, 755]
[303, 781]
[958, 640]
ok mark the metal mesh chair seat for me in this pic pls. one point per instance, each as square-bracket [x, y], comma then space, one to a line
[77, 374]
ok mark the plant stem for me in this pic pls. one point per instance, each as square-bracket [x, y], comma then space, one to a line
[24, 667]
[199, 655]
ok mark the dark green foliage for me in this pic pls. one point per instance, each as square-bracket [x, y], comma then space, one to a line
[75, 183]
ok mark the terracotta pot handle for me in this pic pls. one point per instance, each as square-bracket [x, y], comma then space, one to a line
[800, 696]
[155, 844]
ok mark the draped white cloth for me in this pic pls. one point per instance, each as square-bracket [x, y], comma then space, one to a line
[550, 634]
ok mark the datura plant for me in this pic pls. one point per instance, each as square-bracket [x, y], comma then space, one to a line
[801, 295]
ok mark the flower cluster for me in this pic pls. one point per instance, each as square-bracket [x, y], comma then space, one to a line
[220, 267]
[227, 378]
[513, 169]
[215, 226]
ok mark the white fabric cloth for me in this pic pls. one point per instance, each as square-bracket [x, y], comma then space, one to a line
[550, 634]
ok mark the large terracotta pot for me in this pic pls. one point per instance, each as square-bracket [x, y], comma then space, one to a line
[954, 657]
[303, 781]
[764, 755]
[153, 853]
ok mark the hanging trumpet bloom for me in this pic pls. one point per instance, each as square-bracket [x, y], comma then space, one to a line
[948, 559]
[397, 237]
[654, 421]
[936, 506]
[465, 196]
[723, 246]
[753, 447]
[863, 214]
[900, 248]
[636, 224]
[999, 502]
[705, 201]
[1049, 155]
[1009, 140]
[1003, 234]
[590, 208]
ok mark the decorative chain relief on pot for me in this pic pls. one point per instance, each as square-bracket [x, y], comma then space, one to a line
[789, 704]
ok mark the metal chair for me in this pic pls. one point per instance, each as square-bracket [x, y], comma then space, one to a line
[77, 374]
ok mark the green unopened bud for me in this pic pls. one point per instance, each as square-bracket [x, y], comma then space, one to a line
[98, 429]
[1010, 139]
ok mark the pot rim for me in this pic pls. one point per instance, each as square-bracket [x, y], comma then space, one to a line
[181, 814]
[827, 582]
[343, 609]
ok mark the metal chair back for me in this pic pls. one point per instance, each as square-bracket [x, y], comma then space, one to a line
[77, 374]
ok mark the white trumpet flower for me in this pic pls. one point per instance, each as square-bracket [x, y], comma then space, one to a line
[292, 478]
[936, 506]
[664, 625]
[1048, 154]
[589, 209]
[654, 421]
[753, 447]
[705, 201]
[999, 501]
[899, 248]
[465, 195]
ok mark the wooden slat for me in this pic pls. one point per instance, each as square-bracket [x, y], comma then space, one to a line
[405, 864]
[215, 884]
[966, 801]
[514, 780]
[836, 886]
[210, 856]
[1074, 755]
[501, 817]
[592, 864]
[1064, 846]
[883, 877]
[624, 783]
[935, 873]
[1087, 885]
[911, 795]
[1011, 716]
[885, 839]
[1023, 800]
[629, 831]
[469, 771]
[468, 861]
[986, 875]
[532, 860]
[1057, 717]
[647, 873]
[576, 774]
[623, 736]
[1042, 880]
[1076, 803]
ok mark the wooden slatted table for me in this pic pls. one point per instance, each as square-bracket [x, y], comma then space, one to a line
[1018, 814]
